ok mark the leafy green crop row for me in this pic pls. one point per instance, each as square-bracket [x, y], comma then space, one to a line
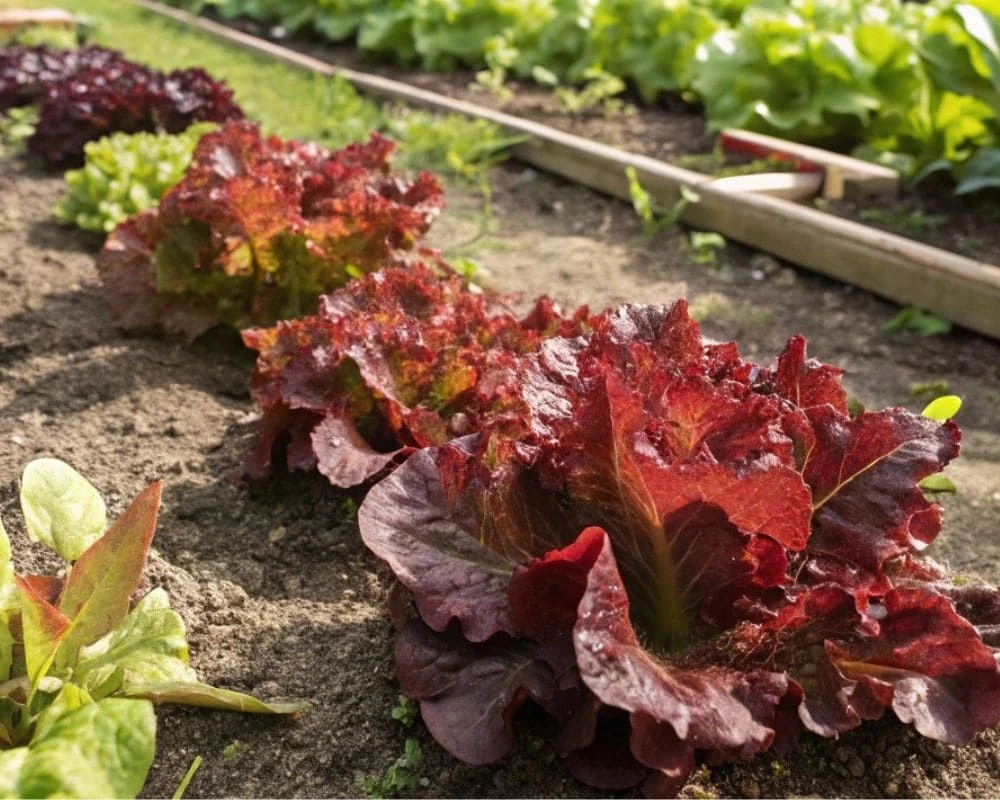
[916, 85]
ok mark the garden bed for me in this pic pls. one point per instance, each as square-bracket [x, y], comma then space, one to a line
[676, 132]
[279, 594]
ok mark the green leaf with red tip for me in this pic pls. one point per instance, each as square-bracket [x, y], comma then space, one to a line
[44, 628]
[101, 583]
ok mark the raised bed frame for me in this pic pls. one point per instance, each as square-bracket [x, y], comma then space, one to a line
[961, 289]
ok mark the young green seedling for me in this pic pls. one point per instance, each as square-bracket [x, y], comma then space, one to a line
[79, 666]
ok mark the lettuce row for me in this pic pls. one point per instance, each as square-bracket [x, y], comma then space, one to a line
[680, 555]
[88, 93]
[915, 84]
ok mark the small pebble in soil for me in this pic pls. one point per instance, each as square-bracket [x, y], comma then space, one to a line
[786, 277]
[276, 534]
[425, 782]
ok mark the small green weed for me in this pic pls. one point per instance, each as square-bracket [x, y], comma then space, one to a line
[234, 750]
[717, 164]
[920, 322]
[402, 775]
[705, 246]
[406, 711]
[929, 388]
[902, 220]
[600, 90]
[16, 125]
[654, 221]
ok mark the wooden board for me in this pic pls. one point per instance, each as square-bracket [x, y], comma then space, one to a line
[844, 174]
[13, 18]
[955, 287]
[797, 186]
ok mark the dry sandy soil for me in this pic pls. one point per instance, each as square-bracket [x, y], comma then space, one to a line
[279, 595]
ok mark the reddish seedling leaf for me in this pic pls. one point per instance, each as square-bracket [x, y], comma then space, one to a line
[101, 583]
[44, 628]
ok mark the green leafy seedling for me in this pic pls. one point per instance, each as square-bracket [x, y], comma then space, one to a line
[943, 408]
[406, 711]
[653, 221]
[76, 695]
[920, 322]
[706, 246]
[401, 776]
[933, 388]
[938, 483]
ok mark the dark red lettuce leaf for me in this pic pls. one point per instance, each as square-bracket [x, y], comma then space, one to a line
[942, 677]
[88, 93]
[674, 709]
[864, 473]
[748, 563]
[469, 692]
[259, 228]
[400, 359]
[26, 71]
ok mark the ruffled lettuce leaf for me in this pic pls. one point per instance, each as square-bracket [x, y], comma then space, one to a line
[260, 227]
[400, 359]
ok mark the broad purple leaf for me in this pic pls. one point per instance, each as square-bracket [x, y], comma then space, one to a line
[712, 708]
[469, 692]
[412, 521]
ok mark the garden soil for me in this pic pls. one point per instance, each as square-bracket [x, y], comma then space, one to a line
[280, 597]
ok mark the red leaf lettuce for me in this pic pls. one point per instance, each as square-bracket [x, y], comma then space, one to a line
[682, 557]
[397, 360]
[88, 93]
[259, 228]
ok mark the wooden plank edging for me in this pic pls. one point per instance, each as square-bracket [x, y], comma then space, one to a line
[860, 176]
[958, 288]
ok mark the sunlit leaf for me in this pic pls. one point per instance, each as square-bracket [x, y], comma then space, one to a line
[61, 509]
